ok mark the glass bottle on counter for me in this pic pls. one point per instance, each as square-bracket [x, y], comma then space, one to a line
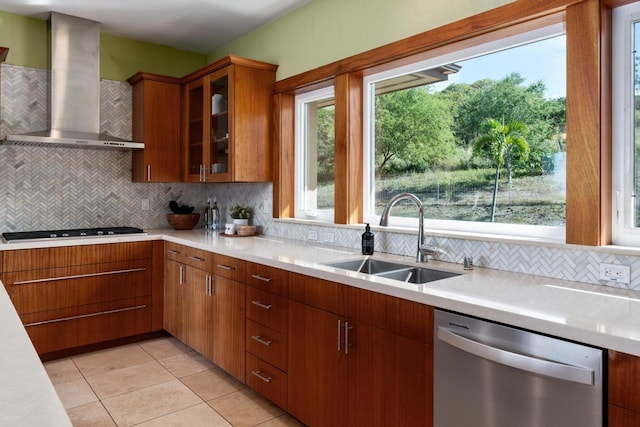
[207, 214]
[215, 216]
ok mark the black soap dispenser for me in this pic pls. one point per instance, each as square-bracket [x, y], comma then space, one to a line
[367, 241]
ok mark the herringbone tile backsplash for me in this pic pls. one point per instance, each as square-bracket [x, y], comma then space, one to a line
[50, 188]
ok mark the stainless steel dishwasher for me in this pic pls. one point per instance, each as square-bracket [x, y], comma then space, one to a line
[490, 375]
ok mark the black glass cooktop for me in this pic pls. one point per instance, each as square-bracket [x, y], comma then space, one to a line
[78, 232]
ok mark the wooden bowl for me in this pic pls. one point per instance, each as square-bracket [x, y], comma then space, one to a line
[183, 221]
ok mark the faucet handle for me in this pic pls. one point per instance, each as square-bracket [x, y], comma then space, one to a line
[432, 250]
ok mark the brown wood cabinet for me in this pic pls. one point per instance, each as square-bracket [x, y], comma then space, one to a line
[266, 334]
[228, 325]
[318, 352]
[205, 310]
[189, 297]
[624, 390]
[174, 297]
[78, 295]
[227, 116]
[228, 320]
[361, 358]
[390, 361]
[156, 122]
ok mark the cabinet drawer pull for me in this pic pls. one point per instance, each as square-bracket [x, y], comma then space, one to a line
[259, 339]
[82, 316]
[148, 172]
[262, 278]
[195, 258]
[172, 252]
[210, 285]
[225, 267]
[262, 305]
[181, 276]
[262, 377]
[79, 276]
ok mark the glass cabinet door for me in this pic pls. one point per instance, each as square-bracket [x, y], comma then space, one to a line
[195, 130]
[219, 149]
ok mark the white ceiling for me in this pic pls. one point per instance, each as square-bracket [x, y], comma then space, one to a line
[194, 25]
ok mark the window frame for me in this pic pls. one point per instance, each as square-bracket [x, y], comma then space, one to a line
[301, 100]
[547, 233]
[588, 32]
[623, 233]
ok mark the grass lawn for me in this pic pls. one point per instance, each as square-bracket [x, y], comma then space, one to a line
[467, 196]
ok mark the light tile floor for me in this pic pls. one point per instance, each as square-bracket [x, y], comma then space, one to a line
[160, 382]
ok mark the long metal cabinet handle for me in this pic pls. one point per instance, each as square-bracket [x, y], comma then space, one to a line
[79, 276]
[346, 337]
[534, 365]
[262, 278]
[82, 316]
[259, 339]
[148, 172]
[262, 305]
[195, 258]
[262, 377]
[225, 267]
[172, 252]
[181, 276]
[212, 289]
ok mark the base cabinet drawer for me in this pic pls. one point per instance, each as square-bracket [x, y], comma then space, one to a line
[267, 308]
[267, 380]
[74, 327]
[267, 344]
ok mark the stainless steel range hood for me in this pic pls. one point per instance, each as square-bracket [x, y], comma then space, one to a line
[74, 90]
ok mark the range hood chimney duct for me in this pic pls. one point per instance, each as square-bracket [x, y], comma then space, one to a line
[74, 90]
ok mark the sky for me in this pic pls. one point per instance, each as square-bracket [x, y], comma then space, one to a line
[543, 60]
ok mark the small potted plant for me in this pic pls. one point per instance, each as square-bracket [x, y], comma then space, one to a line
[241, 214]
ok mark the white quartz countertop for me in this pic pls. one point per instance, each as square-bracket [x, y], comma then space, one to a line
[27, 397]
[602, 316]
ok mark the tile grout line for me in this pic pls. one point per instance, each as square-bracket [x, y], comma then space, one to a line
[93, 390]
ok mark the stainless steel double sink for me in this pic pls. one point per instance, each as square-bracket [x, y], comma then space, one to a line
[396, 271]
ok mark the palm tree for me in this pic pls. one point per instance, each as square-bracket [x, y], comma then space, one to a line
[503, 144]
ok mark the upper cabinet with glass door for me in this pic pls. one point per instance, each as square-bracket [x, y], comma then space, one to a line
[227, 128]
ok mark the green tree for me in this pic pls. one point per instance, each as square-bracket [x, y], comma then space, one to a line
[504, 144]
[326, 143]
[413, 129]
[509, 100]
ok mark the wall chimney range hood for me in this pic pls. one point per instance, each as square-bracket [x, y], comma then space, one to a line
[74, 90]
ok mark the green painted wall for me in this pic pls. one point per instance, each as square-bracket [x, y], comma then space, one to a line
[26, 39]
[120, 58]
[325, 31]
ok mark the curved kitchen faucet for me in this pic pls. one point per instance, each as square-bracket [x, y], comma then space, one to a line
[424, 250]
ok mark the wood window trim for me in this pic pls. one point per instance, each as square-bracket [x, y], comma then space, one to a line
[589, 148]
[588, 124]
[348, 148]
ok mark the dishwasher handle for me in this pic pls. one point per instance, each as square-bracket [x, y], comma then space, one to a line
[547, 368]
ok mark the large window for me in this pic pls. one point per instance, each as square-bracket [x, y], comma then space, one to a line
[315, 150]
[626, 124]
[478, 135]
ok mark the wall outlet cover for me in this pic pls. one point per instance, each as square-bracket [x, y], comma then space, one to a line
[615, 273]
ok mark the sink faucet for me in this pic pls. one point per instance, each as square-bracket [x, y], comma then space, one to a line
[423, 250]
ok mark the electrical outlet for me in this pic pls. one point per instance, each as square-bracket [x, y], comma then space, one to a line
[267, 207]
[615, 273]
[144, 205]
[328, 237]
[312, 235]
